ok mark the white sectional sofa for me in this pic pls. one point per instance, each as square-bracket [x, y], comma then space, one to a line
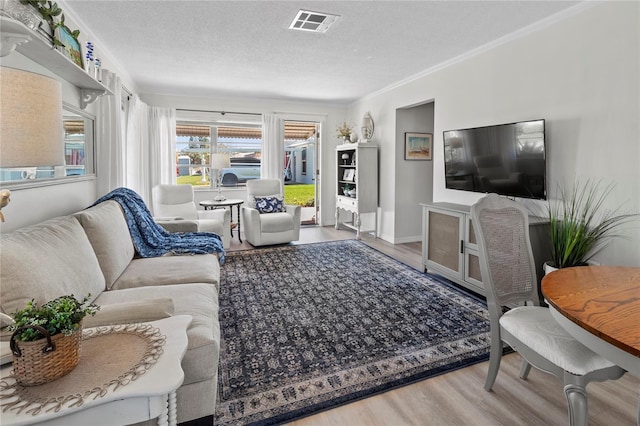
[91, 252]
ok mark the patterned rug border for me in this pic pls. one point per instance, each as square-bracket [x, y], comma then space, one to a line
[348, 398]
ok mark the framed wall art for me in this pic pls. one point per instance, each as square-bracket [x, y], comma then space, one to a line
[70, 46]
[348, 175]
[418, 146]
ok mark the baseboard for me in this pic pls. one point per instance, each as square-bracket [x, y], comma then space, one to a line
[410, 239]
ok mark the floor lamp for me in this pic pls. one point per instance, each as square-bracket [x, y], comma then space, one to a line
[220, 161]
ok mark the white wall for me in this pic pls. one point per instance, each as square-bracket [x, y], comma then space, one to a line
[579, 73]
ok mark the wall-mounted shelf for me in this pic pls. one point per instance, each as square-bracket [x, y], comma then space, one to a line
[17, 36]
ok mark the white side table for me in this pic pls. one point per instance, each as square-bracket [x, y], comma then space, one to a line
[152, 395]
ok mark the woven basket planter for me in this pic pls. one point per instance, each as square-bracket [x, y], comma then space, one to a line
[47, 359]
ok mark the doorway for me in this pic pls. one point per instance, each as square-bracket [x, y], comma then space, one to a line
[301, 148]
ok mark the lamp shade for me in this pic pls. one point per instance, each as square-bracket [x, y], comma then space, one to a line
[220, 161]
[31, 131]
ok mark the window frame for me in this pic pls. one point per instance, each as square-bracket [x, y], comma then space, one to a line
[214, 120]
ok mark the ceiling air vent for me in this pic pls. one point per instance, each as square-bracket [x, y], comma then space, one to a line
[315, 22]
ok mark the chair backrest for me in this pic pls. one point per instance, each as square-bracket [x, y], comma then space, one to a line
[506, 259]
[263, 188]
[174, 201]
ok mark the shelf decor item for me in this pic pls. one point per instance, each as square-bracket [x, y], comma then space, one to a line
[344, 132]
[69, 45]
[367, 127]
[46, 339]
[88, 56]
[418, 146]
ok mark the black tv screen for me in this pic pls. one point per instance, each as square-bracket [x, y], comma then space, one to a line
[507, 159]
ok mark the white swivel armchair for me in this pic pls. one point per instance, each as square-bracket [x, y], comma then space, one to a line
[174, 209]
[264, 221]
[509, 277]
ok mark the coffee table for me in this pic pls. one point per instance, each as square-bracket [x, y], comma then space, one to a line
[151, 395]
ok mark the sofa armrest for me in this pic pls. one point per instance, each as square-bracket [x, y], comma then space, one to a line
[295, 211]
[251, 223]
[221, 215]
[130, 312]
[178, 225]
[218, 214]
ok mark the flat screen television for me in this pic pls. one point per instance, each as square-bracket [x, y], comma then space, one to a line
[507, 159]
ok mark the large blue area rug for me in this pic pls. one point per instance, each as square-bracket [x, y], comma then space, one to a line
[309, 327]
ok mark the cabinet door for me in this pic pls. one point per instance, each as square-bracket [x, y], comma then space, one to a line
[472, 273]
[444, 231]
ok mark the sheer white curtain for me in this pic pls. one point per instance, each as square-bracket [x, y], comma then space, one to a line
[137, 148]
[109, 131]
[272, 162]
[162, 146]
[150, 147]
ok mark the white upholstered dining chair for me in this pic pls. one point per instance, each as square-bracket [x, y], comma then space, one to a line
[174, 208]
[266, 219]
[509, 278]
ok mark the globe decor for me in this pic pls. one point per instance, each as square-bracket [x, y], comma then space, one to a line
[46, 340]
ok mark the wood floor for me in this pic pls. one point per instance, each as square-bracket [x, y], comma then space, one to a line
[459, 398]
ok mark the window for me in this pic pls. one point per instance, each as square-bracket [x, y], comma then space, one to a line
[200, 134]
[78, 144]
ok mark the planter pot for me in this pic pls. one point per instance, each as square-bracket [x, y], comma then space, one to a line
[47, 359]
[548, 268]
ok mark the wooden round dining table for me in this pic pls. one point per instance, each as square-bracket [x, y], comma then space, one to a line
[600, 307]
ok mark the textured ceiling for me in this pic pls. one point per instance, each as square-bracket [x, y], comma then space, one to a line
[244, 48]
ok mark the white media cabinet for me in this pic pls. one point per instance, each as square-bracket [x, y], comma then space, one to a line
[449, 246]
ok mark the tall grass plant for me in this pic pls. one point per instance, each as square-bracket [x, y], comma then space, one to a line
[580, 223]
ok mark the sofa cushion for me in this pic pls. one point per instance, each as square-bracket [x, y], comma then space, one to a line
[130, 312]
[166, 270]
[276, 222]
[45, 261]
[198, 300]
[108, 232]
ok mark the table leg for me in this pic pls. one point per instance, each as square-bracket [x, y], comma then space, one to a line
[163, 419]
[173, 409]
[239, 237]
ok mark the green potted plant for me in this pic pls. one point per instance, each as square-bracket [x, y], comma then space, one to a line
[46, 339]
[580, 223]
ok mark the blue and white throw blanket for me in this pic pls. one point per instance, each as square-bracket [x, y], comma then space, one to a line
[151, 239]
